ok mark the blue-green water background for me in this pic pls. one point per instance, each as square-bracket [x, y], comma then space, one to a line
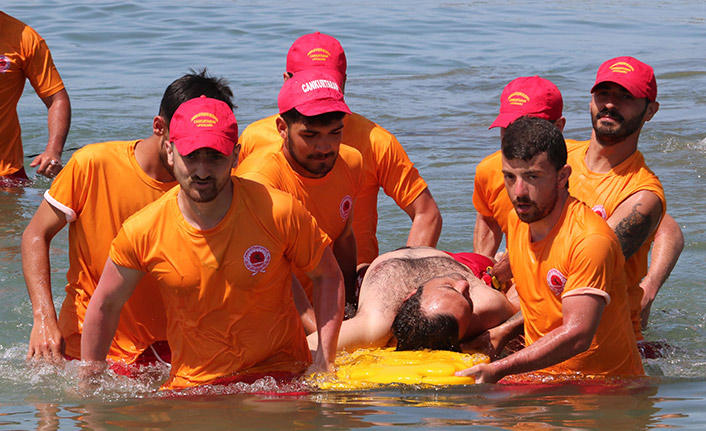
[429, 71]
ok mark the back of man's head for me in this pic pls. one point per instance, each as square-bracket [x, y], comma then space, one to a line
[528, 136]
[415, 330]
[191, 86]
[529, 95]
[318, 51]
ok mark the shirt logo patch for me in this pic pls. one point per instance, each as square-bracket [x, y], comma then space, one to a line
[256, 259]
[600, 210]
[4, 63]
[556, 281]
[345, 207]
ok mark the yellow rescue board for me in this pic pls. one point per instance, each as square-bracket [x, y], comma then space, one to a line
[370, 368]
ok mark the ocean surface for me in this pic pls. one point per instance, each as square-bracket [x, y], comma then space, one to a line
[429, 71]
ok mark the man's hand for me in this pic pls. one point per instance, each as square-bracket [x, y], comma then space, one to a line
[482, 373]
[46, 341]
[501, 270]
[90, 375]
[48, 164]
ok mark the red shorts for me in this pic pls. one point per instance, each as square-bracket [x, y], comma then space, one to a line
[477, 263]
[16, 179]
[159, 352]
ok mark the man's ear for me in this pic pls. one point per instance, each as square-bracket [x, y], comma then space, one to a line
[652, 109]
[281, 127]
[560, 123]
[236, 153]
[563, 176]
[170, 152]
[159, 126]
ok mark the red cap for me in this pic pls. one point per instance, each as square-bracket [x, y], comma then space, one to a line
[529, 95]
[317, 50]
[312, 92]
[635, 76]
[203, 123]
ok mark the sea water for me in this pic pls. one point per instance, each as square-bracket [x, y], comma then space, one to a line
[431, 72]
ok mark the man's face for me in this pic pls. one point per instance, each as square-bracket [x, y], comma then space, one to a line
[532, 186]
[449, 294]
[617, 114]
[312, 149]
[203, 173]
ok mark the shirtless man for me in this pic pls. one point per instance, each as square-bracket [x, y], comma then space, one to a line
[395, 276]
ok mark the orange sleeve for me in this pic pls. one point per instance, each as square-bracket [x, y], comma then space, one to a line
[307, 241]
[123, 250]
[396, 173]
[68, 191]
[595, 261]
[39, 66]
[481, 186]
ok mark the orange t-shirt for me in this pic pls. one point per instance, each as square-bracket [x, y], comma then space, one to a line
[227, 289]
[490, 198]
[329, 199]
[385, 165]
[23, 55]
[604, 193]
[100, 187]
[580, 256]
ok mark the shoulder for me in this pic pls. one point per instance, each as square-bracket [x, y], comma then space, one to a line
[152, 214]
[491, 163]
[263, 163]
[586, 225]
[360, 132]
[263, 126]
[98, 157]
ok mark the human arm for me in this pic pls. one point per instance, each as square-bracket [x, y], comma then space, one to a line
[426, 221]
[346, 252]
[668, 245]
[45, 341]
[487, 235]
[494, 340]
[635, 219]
[59, 120]
[581, 315]
[329, 303]
[103, 314]
[306, 311]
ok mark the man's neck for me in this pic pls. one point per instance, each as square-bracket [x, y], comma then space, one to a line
[147, 153]
[601, 157]
[541, 228]
[206, 215]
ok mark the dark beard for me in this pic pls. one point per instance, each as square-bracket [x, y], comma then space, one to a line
[610, 136]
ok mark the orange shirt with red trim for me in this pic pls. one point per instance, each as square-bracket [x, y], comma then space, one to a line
[99, 188]
[23, 55]
[604, 193]
[580, 256]
[490, 198]
[385, 165]
[227, 289]
[329, 199]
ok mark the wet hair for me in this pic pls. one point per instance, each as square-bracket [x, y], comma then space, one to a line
[293, 116]
[415, 330]
[191, 86]
[528, 136]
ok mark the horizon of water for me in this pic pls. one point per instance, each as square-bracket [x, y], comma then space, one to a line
[431, 73]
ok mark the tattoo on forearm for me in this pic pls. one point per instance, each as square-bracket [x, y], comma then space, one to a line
[632, 231]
